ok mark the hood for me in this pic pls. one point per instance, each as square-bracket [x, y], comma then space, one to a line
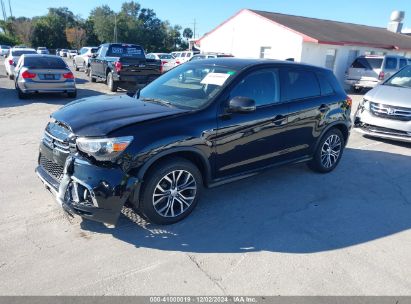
[100, 115]
[389, 95]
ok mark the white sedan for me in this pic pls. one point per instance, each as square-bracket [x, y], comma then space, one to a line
[13, 58]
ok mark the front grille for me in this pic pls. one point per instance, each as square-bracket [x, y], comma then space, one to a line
[390, 112]
[55, 170]
[55, 143]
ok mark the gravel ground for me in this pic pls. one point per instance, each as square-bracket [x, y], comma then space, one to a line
[285, 232]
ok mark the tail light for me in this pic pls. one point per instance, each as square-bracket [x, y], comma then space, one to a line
[349, 101]
[118, 66]
[381, 76]
[28, 75]
[11, 62]
[177, 61]
[163, 62]
[68, 75]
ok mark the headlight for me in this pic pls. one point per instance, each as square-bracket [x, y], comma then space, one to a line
[103, 149]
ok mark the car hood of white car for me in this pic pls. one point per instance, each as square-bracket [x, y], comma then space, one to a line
[390, 95]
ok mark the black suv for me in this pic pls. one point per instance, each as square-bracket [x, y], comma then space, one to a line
[203, 123]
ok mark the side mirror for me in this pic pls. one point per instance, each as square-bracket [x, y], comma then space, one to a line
[241, 105]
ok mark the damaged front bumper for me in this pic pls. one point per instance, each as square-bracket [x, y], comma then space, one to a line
[93, 192]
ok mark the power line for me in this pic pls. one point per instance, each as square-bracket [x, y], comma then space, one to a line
[11, 13]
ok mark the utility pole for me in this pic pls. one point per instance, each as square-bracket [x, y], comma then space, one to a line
[115, 28]
[3, 8]
[11, 13]
[194, 29]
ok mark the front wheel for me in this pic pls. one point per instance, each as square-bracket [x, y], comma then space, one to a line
[329, 152]
[170, 191]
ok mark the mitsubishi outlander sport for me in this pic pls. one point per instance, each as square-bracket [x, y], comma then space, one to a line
[202, 124]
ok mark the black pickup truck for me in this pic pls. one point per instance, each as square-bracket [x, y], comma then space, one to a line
[122, 64]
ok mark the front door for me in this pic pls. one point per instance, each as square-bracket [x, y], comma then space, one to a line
[248, 141]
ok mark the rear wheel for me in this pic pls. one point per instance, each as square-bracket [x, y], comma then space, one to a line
[92, 78]
[329, 152]
[75, 65]
[20, 93]
[11, 76]
[112, 85]
[171, 191]
[72, 94]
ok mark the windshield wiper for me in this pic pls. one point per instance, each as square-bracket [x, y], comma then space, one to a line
[157, 100]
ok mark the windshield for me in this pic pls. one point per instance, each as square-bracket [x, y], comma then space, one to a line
[189, 86]
[165, 56]
[401, 79]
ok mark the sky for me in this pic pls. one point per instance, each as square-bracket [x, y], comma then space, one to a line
[210, 13]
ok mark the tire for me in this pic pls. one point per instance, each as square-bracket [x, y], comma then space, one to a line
[11, 76]
[356, 90]
[72, 94]
[325, 159]
[157, 179]
[92, 79]
[75, 66]
[112, 85]
[20, 94]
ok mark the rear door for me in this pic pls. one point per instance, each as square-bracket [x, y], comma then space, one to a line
[302, 92]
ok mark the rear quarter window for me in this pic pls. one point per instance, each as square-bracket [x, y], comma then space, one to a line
[325, 84]
[300, 84]
[403, 63]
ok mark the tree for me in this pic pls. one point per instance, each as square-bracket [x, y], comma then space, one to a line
[188, 33]
[76, 36]
[103, 19]
[23, 29]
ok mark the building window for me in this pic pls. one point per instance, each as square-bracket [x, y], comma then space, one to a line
[265, 51]
[330, 58]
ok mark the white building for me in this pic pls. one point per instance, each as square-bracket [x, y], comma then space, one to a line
[331, 44]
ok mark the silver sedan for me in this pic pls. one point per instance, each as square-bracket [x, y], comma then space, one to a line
[44, 74]
[385, 111]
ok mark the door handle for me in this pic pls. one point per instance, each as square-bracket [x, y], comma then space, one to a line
[323, 108]
[279, 119]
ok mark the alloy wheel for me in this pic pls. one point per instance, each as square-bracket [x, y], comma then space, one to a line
[174, 193]
[330, 151]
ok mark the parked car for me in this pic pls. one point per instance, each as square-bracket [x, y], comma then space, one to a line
[58, 52]
[42, 50]
[368, 71]
[81, 61]
[120, 63]
[157, 150]
[63, 52]
[72, 53]
[164, 58]
[44, 74]
[385, 111]
[210, 56]
[13, 57]
[4, 50]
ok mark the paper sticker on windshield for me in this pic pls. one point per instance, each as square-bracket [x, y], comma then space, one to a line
[215, 78]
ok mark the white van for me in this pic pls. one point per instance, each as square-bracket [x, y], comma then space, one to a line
[369, 70]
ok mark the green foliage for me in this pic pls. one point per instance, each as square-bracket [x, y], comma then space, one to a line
[134, 25]
[8, 40]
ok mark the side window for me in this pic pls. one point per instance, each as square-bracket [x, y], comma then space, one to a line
[325, 85]
[262, 86]
[390, 63]
[102, 52]
[300, 84]
[403, 63]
